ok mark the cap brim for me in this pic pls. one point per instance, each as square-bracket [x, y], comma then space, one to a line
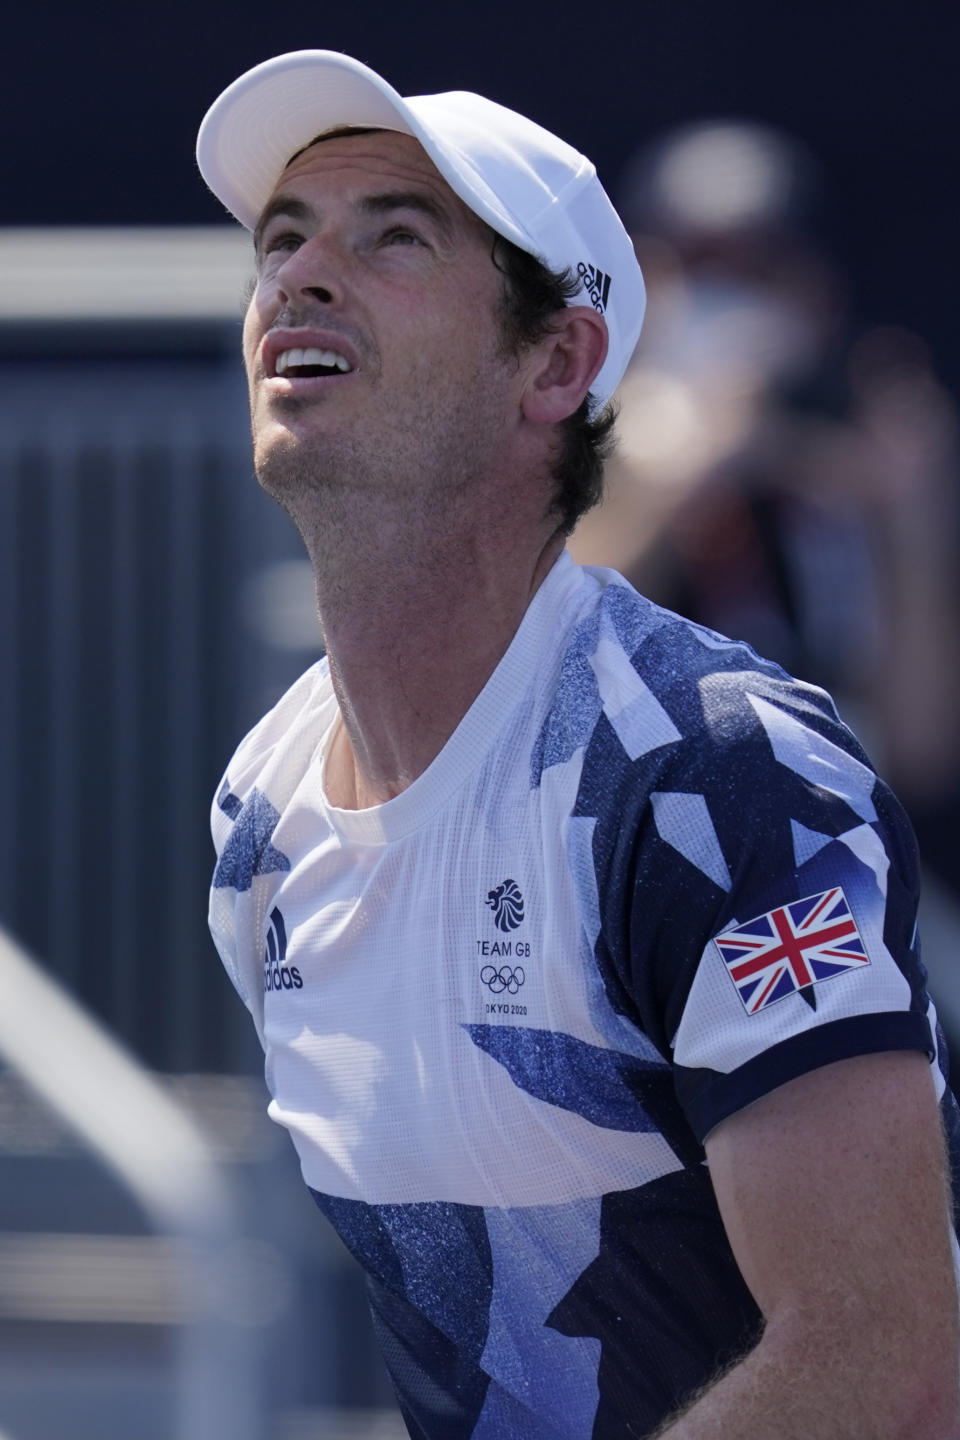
[250, 133]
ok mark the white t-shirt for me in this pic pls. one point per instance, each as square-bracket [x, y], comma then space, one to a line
[648, 879]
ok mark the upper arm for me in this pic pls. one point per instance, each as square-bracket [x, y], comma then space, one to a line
[833, 1192]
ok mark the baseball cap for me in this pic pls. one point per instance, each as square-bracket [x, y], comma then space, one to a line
[527, 184]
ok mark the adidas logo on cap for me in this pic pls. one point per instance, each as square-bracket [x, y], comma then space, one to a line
[596, 284]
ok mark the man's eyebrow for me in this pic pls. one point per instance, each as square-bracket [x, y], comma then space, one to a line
[280, 205]
[387, 200]
[381, 203]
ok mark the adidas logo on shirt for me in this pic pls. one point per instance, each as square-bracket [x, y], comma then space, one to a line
[277, 974]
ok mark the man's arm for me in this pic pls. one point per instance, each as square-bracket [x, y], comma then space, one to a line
[833, 1192]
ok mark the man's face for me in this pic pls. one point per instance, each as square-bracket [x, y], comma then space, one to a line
[372, 342]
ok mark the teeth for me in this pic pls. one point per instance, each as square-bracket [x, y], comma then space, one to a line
[329, 359]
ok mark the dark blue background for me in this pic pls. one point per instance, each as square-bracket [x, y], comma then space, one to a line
[101, 105]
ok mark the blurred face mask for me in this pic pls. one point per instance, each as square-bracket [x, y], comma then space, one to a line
[721, 325]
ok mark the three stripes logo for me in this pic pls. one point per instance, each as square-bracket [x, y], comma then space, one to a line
[596, 284]
[277, 974]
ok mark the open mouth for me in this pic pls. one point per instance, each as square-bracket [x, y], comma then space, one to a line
[307, 364]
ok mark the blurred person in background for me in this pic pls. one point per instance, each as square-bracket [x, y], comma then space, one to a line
[782, 476]
[581, 942]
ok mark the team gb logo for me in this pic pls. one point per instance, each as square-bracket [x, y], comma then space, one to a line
[506, 902]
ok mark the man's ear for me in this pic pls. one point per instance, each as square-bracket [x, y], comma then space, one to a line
[564, 365]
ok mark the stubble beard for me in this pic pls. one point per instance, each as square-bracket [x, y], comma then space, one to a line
[416, 471]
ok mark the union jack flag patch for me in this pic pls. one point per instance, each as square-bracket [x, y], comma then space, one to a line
[791, 949]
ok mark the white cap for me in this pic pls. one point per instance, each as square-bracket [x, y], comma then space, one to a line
[527, 184]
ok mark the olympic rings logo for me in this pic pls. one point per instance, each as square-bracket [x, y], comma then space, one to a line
[505, 978]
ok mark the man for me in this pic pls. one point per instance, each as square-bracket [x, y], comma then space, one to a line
[580, 941]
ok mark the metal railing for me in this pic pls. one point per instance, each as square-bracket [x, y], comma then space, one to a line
[152, 1147]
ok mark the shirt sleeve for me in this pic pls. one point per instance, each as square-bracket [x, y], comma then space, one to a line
[263, 773]
[763, 915]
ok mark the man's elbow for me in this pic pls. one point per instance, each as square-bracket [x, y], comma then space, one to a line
[927, 1402]
[913, 1394]
[891, 1380]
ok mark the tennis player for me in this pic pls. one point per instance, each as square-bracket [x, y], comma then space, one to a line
[581, 942]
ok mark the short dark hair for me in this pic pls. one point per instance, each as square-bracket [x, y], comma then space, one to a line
[532, 295]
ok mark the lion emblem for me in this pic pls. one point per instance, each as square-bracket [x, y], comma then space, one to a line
[506, 902]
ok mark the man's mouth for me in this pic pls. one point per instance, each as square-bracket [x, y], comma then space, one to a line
[298, 364]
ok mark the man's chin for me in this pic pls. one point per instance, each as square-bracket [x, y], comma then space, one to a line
[285, 464]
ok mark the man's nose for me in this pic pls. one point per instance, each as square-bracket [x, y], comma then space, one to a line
[312, 270]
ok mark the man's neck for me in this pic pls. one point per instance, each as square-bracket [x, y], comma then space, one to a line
[415, 623]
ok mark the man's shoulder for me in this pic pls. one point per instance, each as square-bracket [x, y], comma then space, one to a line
[282, 741]
[636, 681]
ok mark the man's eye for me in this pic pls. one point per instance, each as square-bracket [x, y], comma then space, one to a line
[397, 235]
[283, 240]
